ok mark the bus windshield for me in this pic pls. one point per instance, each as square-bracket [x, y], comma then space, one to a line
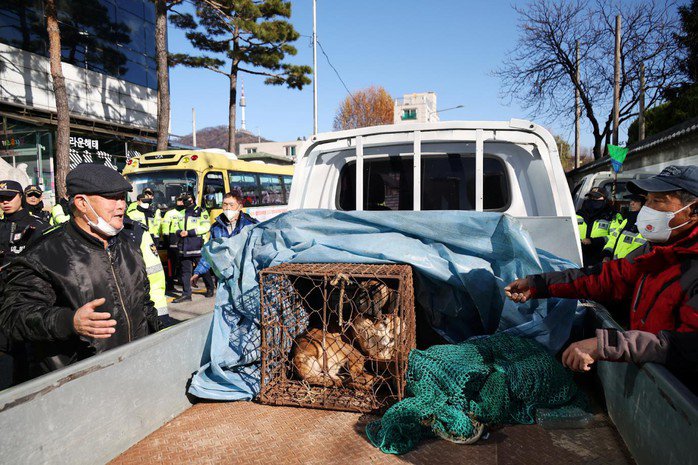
[166, 185]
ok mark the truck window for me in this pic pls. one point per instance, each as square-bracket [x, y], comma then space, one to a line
[248, 186]
[448, 183]
[214, 188]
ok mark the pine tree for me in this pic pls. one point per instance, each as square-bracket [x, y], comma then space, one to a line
[252, 35]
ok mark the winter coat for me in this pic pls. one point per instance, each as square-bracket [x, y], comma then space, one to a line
[659, 288]
[61, 272]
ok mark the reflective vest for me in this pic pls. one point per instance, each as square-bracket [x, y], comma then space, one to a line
[600, 228]
[58, 215]
[197, 223]
[152, 224]
[153, 266]
[621, 242]
[170, 216]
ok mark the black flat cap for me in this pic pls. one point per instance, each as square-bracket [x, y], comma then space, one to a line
[95, 179]
[8, 188]
[672, 178]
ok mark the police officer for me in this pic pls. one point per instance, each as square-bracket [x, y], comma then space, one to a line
[625, 238]
[190, 231]
[596, 219]
[145, 214]
[81, 288]
[139, 235]
[34, 204]
[171, 242]
[17, 227]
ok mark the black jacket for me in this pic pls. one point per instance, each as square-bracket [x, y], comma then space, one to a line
[37, 211]
[61, 272]
[16, 231]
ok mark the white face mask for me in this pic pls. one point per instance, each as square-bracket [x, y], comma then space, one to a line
[101, 226]
[654, 225]
[232, 215]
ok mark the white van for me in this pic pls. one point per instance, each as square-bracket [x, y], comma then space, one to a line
[604, 180]
[510, 167]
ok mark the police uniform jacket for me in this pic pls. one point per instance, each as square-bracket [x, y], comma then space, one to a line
[16, 231]
[60, 273]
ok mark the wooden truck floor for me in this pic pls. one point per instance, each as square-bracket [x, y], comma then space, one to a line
[250, 433]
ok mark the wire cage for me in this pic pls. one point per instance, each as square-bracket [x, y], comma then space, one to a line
[336, 335]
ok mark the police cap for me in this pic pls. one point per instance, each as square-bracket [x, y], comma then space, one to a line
[95, 179]
[10, 188]
[33, 189]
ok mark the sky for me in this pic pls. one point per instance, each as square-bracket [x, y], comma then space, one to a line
[450, 47]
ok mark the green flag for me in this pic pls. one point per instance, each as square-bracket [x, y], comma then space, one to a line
[617, 155]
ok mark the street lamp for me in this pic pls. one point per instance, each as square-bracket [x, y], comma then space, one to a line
[445, 109]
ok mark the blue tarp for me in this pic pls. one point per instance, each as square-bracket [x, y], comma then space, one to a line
[461, 263]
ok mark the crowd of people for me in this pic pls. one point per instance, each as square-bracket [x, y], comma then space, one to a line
[89, 277]
[93, 278]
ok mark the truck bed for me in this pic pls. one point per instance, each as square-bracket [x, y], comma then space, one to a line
[251, 433]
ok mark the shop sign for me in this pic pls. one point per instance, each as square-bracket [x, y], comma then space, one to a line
[84, 143]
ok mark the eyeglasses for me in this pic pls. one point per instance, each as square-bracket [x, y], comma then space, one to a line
[35, 195]
[7, 198]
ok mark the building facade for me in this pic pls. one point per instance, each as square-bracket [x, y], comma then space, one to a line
[416, 108]
[271, 152]
[108, 60]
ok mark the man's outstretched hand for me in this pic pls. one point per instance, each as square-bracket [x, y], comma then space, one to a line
[518, 291]
[88, 322]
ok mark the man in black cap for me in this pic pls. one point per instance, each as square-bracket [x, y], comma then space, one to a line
[34, 204]
[657, 285]
[17, 227]
[82, 288]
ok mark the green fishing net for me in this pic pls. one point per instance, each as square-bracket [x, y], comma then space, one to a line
[454, 391]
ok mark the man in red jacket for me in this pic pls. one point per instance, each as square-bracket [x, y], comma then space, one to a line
[657, 284]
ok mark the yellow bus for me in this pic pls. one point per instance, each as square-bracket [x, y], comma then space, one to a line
[208, 174]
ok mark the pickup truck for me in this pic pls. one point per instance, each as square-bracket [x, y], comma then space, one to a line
[130, 405]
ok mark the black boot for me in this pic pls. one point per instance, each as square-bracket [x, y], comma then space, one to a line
[209, 293]
[184, 298]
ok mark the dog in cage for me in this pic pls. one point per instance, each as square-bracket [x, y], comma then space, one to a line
[343, 363]
[377, 323]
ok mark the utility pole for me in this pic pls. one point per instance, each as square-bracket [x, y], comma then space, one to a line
[576, 107]
[616, 84]
[641, 117]
[314, 66]
[193, 127]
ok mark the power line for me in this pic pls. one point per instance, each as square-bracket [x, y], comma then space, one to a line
[322, 49]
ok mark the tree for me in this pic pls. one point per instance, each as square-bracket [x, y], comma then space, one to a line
[372, 106]
[254, 38]
[540, 71]
[682, 98]
[163, 70]
[61, 95]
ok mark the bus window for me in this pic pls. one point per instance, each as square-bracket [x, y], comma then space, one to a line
[272, 192]
[166, 185]
[287, 187]
[214, 188]
[247, 185]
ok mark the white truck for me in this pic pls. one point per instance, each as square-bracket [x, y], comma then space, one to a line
[97, 409]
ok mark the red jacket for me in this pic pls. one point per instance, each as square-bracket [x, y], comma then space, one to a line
[659, 288]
